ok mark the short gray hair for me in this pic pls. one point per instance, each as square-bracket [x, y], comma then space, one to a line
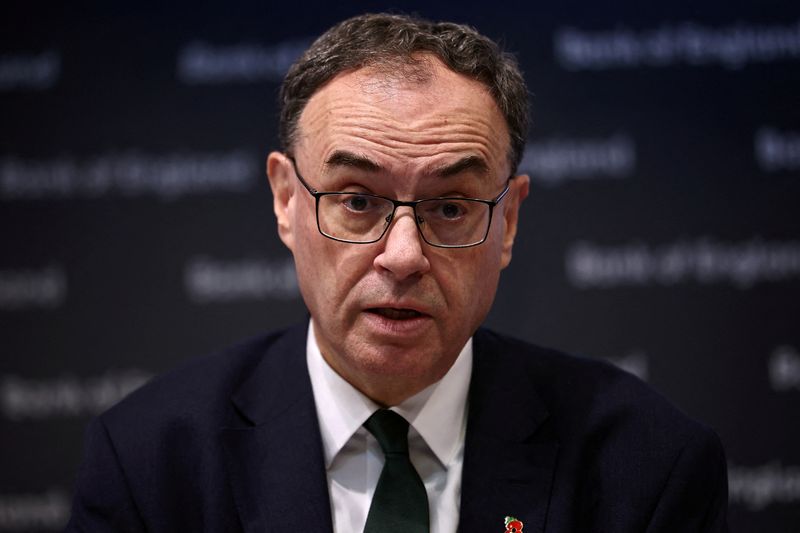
[376, 40]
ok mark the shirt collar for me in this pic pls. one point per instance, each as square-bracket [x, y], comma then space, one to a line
[342, 409]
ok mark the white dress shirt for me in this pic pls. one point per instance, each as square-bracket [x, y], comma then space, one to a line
[353, 458]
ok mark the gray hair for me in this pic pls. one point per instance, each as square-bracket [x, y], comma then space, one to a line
[383, 40]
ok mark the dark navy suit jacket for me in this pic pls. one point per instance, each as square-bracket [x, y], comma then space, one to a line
[231, 443]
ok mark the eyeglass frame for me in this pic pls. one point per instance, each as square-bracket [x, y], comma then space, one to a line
[400, 203]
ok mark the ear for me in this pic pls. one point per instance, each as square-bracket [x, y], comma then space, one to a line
[517, 192]
[281, 181]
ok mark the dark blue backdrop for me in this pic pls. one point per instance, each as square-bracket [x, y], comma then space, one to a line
[662, 231]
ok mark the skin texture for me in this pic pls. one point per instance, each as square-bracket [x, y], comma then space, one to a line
[402, 137]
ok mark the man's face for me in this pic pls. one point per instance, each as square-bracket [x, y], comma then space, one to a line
[391, 317]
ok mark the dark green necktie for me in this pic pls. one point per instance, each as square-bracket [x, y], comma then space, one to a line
[400, 503]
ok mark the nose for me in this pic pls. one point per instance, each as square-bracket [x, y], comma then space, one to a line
[402, 254]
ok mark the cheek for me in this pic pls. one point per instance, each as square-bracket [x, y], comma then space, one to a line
[327, 271]
[469, 283]
[486, 276]
[311, 257]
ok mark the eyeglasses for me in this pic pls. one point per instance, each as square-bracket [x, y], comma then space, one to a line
[364, 218]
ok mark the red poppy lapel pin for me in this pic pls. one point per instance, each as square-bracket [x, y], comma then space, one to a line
[513, 525]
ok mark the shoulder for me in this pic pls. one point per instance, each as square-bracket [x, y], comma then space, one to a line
[593, 399]
[198, 393]
[163, 446]
[626, 454]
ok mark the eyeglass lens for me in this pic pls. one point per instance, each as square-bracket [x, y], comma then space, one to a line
[364, 218]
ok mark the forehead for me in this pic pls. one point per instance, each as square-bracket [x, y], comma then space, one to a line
[407, 121]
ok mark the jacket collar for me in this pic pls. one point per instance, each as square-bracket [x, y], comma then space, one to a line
[275, 461]
[276, 464]
[510, 451]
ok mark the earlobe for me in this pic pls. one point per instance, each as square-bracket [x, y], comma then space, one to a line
[519, 188]
[279, 172]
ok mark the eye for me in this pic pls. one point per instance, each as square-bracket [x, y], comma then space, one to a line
[356, 202]
[450, 210]
[445, 210]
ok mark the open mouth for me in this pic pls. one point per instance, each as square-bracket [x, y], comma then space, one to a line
[395, 314]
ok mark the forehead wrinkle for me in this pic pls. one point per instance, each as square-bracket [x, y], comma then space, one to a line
[448, 119]
[448, 155]
[348, 134]
[341, 120]
[338, 110]
[464, 127]
[433, 132]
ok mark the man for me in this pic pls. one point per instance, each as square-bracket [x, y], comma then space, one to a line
[391, 410]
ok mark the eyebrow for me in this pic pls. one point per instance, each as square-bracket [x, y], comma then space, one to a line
[467, 163]
[344, 158]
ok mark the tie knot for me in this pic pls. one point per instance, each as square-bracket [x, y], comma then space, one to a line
[390, 430]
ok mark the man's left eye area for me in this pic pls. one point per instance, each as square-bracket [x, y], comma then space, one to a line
[444, 210]
[450, 210]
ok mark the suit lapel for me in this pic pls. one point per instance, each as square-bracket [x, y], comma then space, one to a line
[510, 451]
[275, 461]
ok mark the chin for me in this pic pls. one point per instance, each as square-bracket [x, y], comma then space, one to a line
[396, 362]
